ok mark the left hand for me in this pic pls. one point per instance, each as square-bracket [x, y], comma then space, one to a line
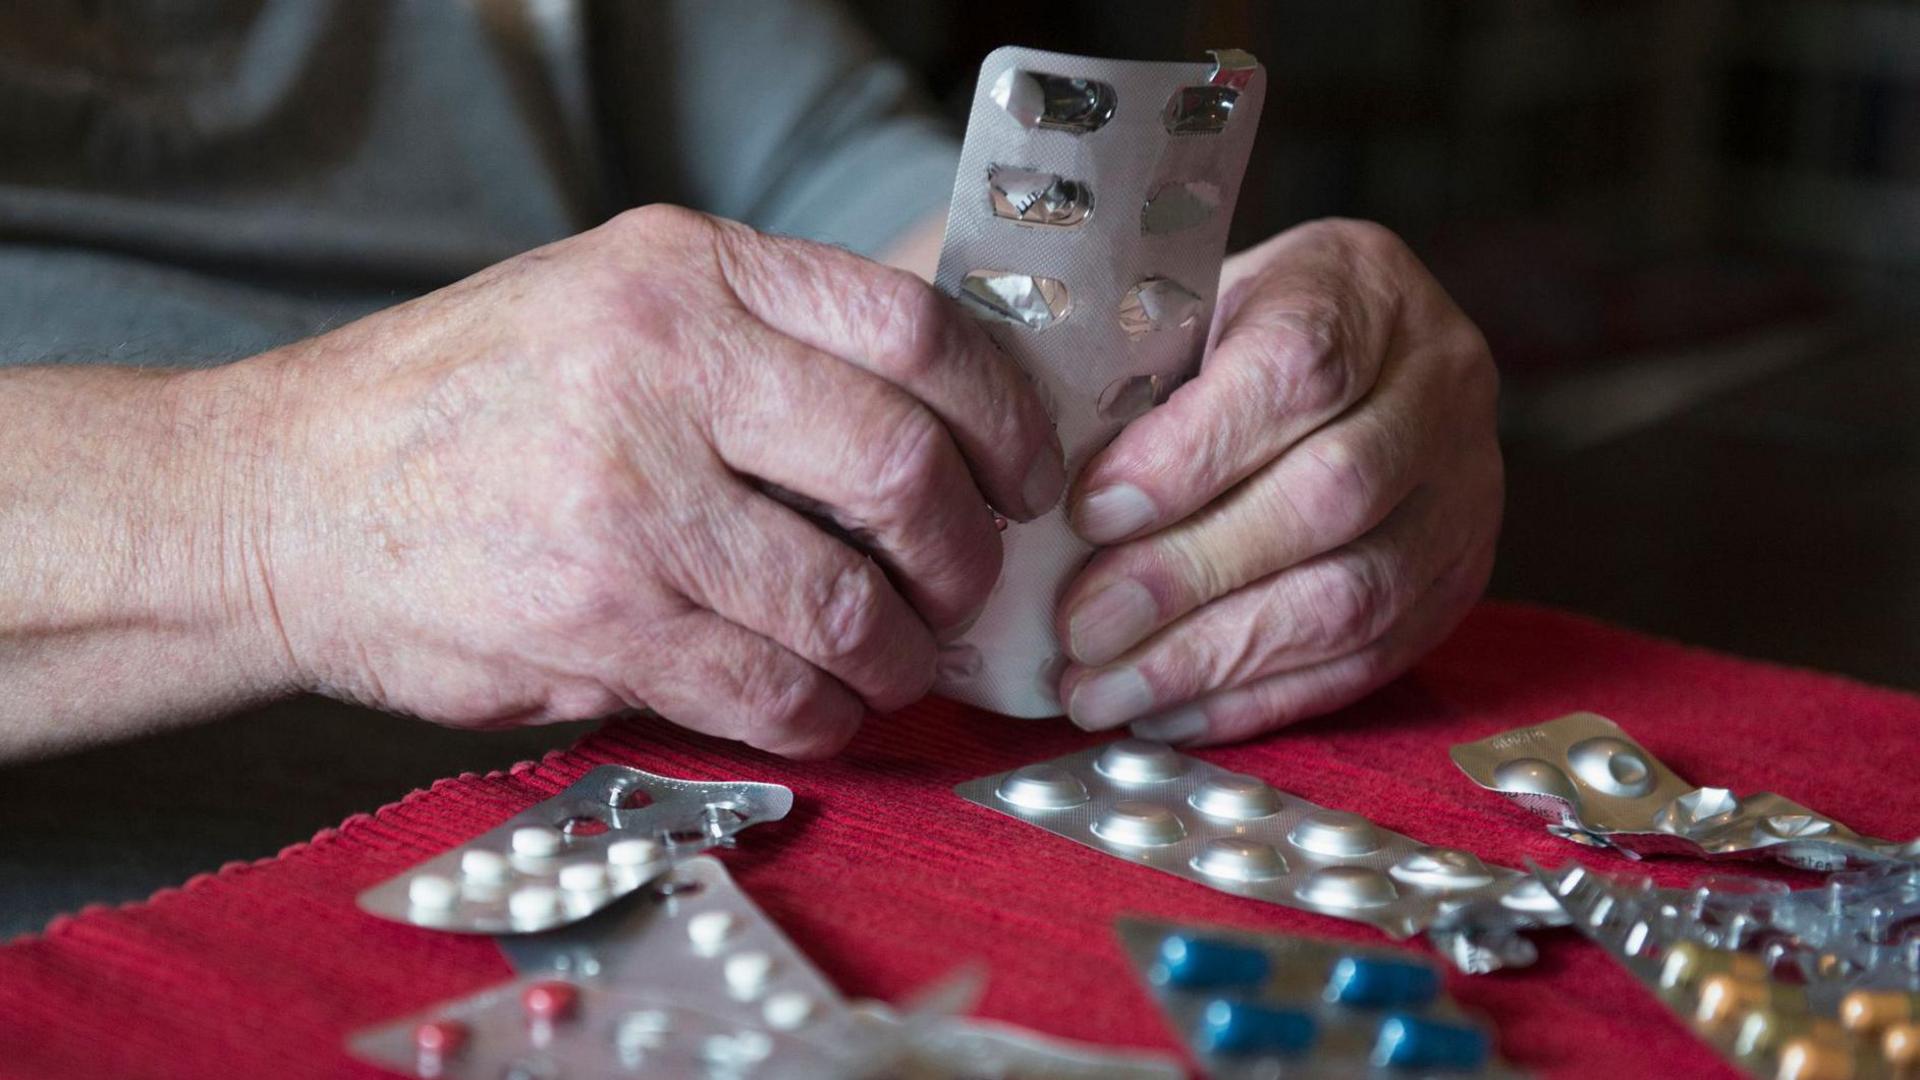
[1303, 520]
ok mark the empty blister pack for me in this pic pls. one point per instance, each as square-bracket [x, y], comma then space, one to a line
[1088, 224]
[690, 978]
[607, 834]
[1277, 1005]
[1150, 804]
[1786, 985]
[1599, 787]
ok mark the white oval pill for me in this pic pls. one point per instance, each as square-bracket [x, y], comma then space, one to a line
[709, 930]
[747, 974]
[634, 851]
[533, 904]
[431, 891]
[486, 866]
[536, 841]
[787, 1010]
[583, 877]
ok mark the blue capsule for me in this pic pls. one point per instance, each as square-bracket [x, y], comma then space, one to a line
[1411, 1042]
[1374, 983]
[1232, 1028]
[1205, 963]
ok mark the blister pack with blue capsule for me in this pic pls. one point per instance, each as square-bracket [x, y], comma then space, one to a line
[1151, 805]
[1274, 1005]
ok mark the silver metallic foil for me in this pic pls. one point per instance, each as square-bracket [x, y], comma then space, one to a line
[1599, 787]
[1108, 311]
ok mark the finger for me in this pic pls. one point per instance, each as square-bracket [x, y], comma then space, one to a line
[1279, 700]
[898, 327]
[708, 674]
[767, 569]
[1299, 343]
[880, 463]
[1321, 609]
[1326, 490]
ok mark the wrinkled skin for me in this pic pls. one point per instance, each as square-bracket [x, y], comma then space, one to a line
[568, 486]
[1305, 518]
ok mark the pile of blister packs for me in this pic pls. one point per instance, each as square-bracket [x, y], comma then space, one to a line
[1818, 984]
[1088, 226]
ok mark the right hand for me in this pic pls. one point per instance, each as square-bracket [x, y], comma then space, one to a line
[566, 486]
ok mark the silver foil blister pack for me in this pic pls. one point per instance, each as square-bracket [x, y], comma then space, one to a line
[689, 978]
[1793, 985]
[1257, 1005]
[1599, 787]
[1149, 804]
[607, 834]
[1087, 229]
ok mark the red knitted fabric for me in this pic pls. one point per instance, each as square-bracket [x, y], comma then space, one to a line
[888, 880]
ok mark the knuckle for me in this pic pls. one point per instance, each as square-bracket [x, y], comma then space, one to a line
[1299, 363]
[912, 325]
[777, 708]
[1337, 498]
[1346, 604]
[904, 462]
[850, 616]
[1472, 366]
[1181, 558]
[657, 219]
[1369, 238]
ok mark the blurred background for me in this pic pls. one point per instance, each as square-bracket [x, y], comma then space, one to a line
[1689, 228]
[1691, 232]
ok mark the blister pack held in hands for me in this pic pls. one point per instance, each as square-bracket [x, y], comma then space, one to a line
[1152, 805]
[607, 834]
[1599, 787]
[1088, 225]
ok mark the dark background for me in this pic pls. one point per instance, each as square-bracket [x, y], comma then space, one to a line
[1690, 230]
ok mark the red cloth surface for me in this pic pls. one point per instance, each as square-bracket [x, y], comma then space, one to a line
[888, 880]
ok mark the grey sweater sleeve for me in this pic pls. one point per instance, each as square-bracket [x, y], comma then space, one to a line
[784, 115]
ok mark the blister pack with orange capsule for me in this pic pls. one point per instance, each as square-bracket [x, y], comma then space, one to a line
[1809, 984]
[1087, 229]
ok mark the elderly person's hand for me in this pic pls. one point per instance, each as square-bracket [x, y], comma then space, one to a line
[569, 484]
[1296, 525]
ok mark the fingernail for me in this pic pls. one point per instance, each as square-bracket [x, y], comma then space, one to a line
[1046, 481]
[1112, 621]
[1110, 700]
[1181, 725]
[1113, 512]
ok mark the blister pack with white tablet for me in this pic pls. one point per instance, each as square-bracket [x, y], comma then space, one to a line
[607, 834]
[689, 978]
[1152, 805]
[1088, 226]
